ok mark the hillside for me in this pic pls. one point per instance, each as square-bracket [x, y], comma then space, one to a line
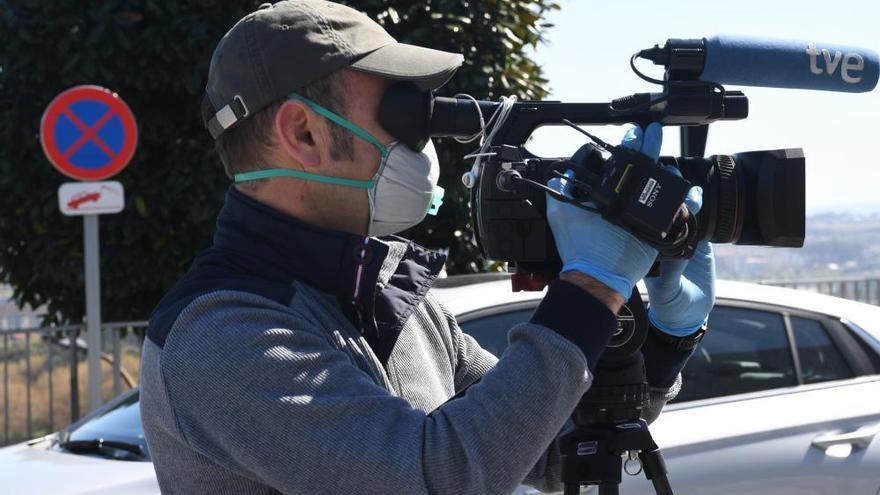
[838, 245]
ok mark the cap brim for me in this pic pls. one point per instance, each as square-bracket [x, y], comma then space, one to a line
[427, 68]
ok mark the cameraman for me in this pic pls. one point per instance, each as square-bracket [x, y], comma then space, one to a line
[303, 354]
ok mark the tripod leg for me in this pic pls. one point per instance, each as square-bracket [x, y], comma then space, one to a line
[609, 488]
[662, 486]
[572, 489]
[655, 470]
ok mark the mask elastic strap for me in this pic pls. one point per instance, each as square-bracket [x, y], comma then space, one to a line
[326, 179]
[436, 200]
[299, 174]
[338, 119]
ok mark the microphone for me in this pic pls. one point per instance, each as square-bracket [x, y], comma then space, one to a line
[773, 63]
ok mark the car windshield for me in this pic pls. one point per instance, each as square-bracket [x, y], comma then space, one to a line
[121, 423]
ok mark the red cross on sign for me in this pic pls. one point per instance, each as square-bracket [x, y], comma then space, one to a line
[88, 133]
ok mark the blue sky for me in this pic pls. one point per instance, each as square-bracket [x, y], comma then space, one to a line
[587, 59]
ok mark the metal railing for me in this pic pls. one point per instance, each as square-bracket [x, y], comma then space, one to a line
[32, 357]
[866, 290]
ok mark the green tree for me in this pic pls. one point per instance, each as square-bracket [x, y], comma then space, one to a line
[155, 55]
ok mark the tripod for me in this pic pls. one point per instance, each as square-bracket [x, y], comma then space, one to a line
[607, 419]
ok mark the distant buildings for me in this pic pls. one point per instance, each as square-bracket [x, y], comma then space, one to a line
[837, 246]
[11, 317]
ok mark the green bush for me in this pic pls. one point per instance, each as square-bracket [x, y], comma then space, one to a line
[155, 55]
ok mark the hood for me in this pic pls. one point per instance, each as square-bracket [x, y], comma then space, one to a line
[36, 467]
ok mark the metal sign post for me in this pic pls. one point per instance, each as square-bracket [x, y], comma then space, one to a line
[88, 133]
[93, 306]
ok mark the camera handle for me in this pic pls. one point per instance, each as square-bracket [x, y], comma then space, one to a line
[607, 419]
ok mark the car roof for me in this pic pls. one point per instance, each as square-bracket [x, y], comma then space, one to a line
[463, 294]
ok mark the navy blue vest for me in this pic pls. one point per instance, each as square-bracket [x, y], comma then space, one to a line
[260, 250]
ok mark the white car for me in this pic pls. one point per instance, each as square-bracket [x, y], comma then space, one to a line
[781, 397]
[121, 467]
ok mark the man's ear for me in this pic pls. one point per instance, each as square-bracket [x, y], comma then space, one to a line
[296, 130]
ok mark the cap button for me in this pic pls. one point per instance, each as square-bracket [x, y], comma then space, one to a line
[264, 6]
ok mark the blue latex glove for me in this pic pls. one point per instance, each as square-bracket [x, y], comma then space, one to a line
[684, 292]
[589, 244]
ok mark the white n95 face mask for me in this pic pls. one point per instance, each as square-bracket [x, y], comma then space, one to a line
[401, 193]
[406, 189]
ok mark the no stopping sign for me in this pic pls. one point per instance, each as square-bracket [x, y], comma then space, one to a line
[88, 133]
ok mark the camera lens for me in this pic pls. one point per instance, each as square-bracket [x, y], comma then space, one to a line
[752, 198]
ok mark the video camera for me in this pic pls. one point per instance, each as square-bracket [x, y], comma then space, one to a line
[752, 198]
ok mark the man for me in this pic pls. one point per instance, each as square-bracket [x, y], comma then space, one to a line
[303, 354]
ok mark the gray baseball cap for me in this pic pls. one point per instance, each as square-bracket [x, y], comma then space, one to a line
[282, 47]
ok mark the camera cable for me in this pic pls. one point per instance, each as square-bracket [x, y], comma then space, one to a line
[488, 130]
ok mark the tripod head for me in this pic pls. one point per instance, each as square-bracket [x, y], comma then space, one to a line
[608, 420]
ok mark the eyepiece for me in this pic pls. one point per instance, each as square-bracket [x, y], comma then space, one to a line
[412, 115]
[458, 116]
[405, 112]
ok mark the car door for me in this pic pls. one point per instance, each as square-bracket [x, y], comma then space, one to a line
[773, 403]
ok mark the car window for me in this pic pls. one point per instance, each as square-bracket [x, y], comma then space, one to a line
[820, 360]
[744, 350]
[491, 330]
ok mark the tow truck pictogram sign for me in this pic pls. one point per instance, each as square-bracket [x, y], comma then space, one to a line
[91, 198]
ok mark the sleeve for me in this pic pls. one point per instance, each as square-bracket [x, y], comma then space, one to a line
[473, 361]
[266, 394]
[657, 399]
[663, 365]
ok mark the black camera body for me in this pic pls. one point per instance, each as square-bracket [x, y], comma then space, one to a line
[753, 198]
[627, 188]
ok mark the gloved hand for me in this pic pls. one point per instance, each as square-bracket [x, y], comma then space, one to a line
[589, 244]
[683, 294]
